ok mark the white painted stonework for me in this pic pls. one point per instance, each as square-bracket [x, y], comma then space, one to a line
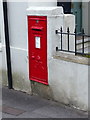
[0, 47]
[69, 21]
[18, 43]
[55, 19]
[45, 11]
[68, 81]
[43, 3]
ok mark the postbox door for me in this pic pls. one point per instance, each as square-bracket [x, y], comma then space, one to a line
[37, 33]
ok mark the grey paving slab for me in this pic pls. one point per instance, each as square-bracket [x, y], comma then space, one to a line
[37, 107]
[11, 110]
[33, 115]
[58, 112]
[5, 115]
[21, 100]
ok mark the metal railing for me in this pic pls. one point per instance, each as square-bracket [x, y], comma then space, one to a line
[75, 34]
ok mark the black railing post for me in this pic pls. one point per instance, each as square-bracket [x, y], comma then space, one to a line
[7, 42]
[56, 48]
[75, 34]
[68, 37]
[75, 41]
[56, 31]
[61, 38]
[82, 40]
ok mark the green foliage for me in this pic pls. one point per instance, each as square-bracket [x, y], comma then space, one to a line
[88, 56]
[85, 55]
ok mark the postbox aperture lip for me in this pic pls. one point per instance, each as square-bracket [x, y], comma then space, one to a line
[37, 28]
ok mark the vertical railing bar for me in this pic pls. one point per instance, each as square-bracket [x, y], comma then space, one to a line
[83, 41]
[68, 37]
[75, 41]
[56, 48]
[83, 35]
[61, 38]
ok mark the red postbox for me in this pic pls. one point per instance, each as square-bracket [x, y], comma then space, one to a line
[37, 39]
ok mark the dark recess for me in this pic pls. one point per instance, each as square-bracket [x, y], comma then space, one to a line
[66, 6]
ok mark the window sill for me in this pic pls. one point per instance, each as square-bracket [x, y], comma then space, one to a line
[72, 58]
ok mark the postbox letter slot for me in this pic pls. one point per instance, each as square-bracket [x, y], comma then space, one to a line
[37, 28]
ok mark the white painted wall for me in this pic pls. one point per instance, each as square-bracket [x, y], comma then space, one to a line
[17, 24]
[0, 19]
[0, 60]
[19, 43]
[69, 21]
[1, 36]
[48, 4]
[69, 82]
[0, 69]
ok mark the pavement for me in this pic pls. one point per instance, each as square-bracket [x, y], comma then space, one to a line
[22, 105]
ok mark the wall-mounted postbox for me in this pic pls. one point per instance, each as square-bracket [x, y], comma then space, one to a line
[37, 36]
[42, 40]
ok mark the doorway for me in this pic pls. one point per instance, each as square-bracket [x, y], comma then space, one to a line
[73, 8]
[76, 9]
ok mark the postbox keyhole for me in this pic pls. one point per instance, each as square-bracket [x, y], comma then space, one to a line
[37, 21]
